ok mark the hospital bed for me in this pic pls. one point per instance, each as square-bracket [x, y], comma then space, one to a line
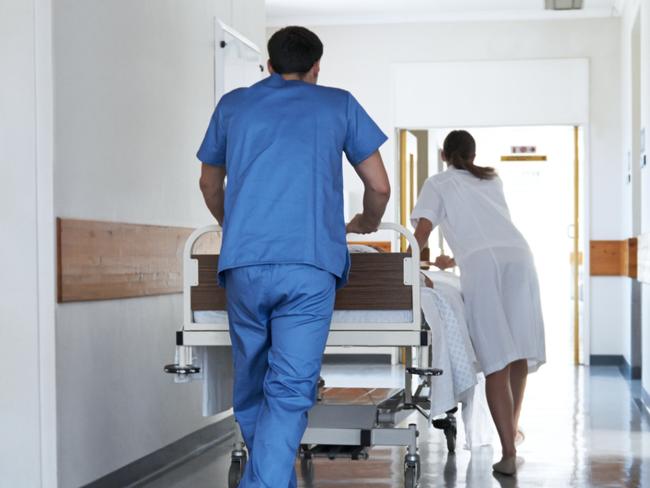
[380, 306]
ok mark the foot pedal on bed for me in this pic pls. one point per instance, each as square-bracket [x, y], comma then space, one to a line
[182, 370]
[448, 426]
[424, 371]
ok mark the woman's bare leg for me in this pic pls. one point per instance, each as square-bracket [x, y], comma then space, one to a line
[518, 377]
[500, 401]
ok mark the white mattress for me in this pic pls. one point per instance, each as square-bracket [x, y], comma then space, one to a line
[340, 317]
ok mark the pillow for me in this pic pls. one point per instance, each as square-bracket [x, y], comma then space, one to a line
[361, 249]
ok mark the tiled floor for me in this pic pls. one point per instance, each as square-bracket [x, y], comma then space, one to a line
[583, 428]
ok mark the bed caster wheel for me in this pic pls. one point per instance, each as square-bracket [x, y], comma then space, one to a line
[237, 465]
[319, 388]
[307, 469]
[411, 477]
[235, 474]
[411, 470]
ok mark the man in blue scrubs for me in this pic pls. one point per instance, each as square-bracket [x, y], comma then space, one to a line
[284, 252]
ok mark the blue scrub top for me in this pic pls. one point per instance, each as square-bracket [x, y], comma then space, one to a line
[282, 143]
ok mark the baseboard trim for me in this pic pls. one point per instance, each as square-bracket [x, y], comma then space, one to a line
[606, 360]
[168, 457]
[632, 373]
[618, 360]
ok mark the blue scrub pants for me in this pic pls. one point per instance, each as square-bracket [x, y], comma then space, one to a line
[279, 317]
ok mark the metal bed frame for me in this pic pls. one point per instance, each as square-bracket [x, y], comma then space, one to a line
[336, 430]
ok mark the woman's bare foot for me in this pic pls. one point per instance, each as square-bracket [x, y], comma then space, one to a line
[507, 466]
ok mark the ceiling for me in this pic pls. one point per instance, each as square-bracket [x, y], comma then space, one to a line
[328, 12]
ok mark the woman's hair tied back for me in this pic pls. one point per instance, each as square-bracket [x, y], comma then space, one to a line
[459, 149]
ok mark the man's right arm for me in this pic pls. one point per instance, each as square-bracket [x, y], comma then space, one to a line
[212, 186]
[375, 197]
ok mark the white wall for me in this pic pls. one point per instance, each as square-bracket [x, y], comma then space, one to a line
[626, 146]
[359, 58]
[645, 179]
[134, 93]
[27, 398]
[642, 7]
[511, 93]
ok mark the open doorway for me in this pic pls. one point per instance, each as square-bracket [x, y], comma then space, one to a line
[540, 168]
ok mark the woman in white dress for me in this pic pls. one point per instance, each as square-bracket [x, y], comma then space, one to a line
[498, 279]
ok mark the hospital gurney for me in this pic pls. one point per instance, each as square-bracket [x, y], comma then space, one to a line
[380, 306]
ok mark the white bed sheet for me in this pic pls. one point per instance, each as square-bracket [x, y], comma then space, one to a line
[219, 317]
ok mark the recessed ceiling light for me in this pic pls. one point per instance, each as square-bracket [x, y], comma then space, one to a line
[564, 4]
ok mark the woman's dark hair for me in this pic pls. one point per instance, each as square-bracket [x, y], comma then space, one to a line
[294, 50]
[460, 150]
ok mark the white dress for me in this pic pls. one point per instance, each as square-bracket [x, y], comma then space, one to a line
[498, 276]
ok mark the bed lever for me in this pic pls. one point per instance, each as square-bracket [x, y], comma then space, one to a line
[424, 371]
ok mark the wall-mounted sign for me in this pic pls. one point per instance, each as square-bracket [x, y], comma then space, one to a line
[523, 149]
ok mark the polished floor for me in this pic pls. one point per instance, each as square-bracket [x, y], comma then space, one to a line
[584, 427]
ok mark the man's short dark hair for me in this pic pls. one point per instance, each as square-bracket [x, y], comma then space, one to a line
[294, 50]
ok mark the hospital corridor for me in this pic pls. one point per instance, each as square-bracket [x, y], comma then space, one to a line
[325, 243]
[581, 431]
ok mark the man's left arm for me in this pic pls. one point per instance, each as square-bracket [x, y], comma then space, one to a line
[212, 182]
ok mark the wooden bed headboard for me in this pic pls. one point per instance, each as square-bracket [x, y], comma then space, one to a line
[376, 283]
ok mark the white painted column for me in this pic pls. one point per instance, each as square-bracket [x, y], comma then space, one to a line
[27, 254]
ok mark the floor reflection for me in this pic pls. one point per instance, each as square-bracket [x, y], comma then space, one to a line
[583, 427]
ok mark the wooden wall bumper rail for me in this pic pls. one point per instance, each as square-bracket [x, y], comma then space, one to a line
[629, 257]
[109, 260]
